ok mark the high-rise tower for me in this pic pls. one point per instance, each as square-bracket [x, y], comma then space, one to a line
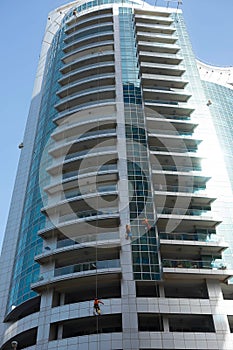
[115, 195]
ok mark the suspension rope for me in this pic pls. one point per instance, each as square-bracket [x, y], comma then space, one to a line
[97, 221]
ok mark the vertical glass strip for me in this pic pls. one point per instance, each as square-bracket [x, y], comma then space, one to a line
[145, 255]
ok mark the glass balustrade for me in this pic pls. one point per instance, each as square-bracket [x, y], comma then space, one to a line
[98, 133]
[165, 167]
[68, 111]
[88, 238]
[90, 151]
[171, 132]
[182, 211]
[183, 236]
[193, 264]
[87, 266]
[87, 190]
[173, 149]
[77, 95]
[169, 188]
[88, 213]
[103, 168]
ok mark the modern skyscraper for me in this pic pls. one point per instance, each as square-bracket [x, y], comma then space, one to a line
[123, 191]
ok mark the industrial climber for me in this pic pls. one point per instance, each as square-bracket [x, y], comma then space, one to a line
[96, 306]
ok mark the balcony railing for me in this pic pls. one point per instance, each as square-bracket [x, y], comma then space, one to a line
[88, 266]
[88, 213]
[107, 167]
[169, 188]
[87, 190]
[200, 237]
[100, 35]
[69, 111]
[171, 132]
[173, 149]
[98, 133]
[193, 264]
[90, 151]
[182, 211]
[76, 95]
[88, 239]
[176, 168]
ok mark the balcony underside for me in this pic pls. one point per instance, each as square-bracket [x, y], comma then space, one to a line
[77, 227]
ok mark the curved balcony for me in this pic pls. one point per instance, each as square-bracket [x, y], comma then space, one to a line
[153, 28]
[97, 80]
[63, 147]
[29, 307]
[154, 37]
[185, 183]
[105, 103]
[157, 93]
[107, 45]
[78, 127]
[189, 151]
[106, 172]
[172, 123]
[172, 133]
[90, 214]
[180, 189]
[193, 264]
[179, 219]
[100, 189]
[171, 59]
[107, 168]
[89, 266]
[92, 238]
[163, 80]
[90, 29]
[73, 196]
[169, 107]
[173, 142]
[105, 222]
[190, 244]
[94, 94]
[163, 69]
[87, 60]
[85, 72]
[105, 154]
[197, 236]
[98, 18]
[89, 39]
[158, 47]
[89, 152]
[106, 242]
[188, 212]
[71, 273]
[175, 160]
[153, 18]
[177, 168]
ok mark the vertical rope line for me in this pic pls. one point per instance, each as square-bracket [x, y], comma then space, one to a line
[97, 221]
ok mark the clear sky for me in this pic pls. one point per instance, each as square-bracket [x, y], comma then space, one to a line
[22, 25]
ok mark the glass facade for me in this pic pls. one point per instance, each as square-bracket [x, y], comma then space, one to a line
[26, 271]
[221, 110]
[145, 254]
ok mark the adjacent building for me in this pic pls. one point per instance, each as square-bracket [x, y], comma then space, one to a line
[123, 190]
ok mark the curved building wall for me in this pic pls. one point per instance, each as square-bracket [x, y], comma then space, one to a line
[217, 85]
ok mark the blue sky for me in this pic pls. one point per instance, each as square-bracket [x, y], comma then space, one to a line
[22, 25]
